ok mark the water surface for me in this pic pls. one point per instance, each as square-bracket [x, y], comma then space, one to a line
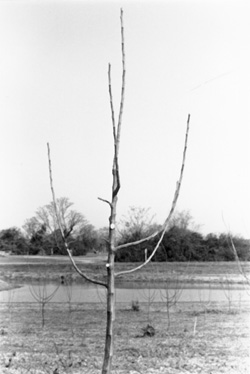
[81, 293]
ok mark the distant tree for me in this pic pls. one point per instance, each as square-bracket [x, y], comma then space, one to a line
[38, 240]
[70, 220]
[197, 249]
[43, 229]
[183, 220]
[219, 248]
[86, 240]
[212, 245]
[53, 243]
[12, 240]
[138, 220]
[241, 245]
[172, 245]
[103, 237]
[242, 248]
[180, 243]
[134, 226]
[31, 226]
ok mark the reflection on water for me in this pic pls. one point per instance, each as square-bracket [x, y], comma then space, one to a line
[78, 293]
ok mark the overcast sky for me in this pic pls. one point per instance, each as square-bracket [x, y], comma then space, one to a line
[181, 57]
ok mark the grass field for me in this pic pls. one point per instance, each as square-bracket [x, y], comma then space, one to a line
[197, 341]
[191, 338]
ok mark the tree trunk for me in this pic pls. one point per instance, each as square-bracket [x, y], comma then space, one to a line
[108, 352]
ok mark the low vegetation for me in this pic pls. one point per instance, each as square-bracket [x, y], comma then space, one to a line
[187, 245]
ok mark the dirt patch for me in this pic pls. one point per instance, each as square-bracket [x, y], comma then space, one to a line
[190, 341]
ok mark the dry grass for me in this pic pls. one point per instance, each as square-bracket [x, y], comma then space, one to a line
[214, 341]
[197, 338]
[31, 268]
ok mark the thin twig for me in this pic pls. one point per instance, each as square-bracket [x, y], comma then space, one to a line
[111, 102]
[123, 80]
[91, 280]
[166, 223]
[231, 242]
[238, 260]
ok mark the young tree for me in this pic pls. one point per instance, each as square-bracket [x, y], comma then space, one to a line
[112, 241]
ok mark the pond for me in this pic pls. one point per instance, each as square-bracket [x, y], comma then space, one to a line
[82, 293]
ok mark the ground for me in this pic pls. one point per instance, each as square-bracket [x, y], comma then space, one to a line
[191, 338]
[195, 340]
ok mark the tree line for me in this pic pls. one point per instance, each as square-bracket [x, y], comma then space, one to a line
[41, 235]
[182, 242]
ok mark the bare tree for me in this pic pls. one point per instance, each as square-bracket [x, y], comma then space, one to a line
[137, 222]
[182, 219]
[31, 226]
[171, 293]
[40, 294]
[112, 246]
[70, 220]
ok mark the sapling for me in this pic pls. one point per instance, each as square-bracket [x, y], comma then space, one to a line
[112, 246]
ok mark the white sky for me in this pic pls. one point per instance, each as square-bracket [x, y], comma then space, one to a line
[181, 57]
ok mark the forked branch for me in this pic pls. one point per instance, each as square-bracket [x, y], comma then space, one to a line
[91, 280]
[117, 129]
[164, 227]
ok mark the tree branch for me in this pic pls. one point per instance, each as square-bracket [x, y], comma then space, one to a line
[117, 131]
[105, 201]
[115, 162]
[111, 103]
[166, 223]
[91, 280]
[121, 104]
[123, 82]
